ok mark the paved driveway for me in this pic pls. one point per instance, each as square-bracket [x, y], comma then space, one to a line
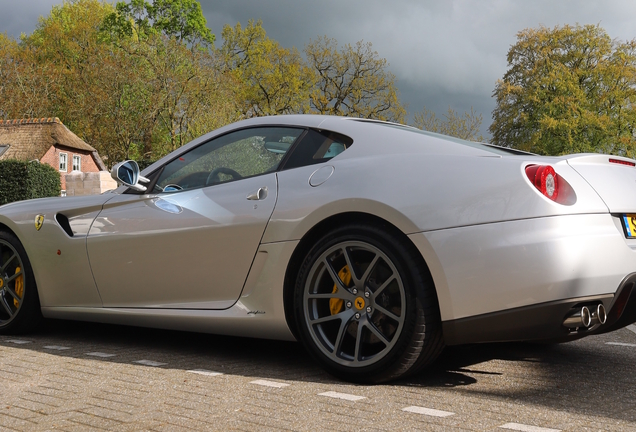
[77, 376]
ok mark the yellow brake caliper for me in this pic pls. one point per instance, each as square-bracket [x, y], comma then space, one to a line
[336, 304]
[19, 287]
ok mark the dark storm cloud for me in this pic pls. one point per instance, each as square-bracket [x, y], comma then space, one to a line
[18, 17]
[443, 53]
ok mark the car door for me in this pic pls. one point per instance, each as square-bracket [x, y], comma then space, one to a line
[190, 243]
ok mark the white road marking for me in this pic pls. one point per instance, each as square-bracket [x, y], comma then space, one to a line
[526, 428]
[620, 344]
[204, 372]
[57, 347]
[150, 363]
[344, 396]
[18, 341]
[100, 354]
[428, 411]
[631, 328]
[269, 383]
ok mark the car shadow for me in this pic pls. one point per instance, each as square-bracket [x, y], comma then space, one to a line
[587, 376]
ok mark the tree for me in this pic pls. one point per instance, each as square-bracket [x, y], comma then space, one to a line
[270, 79]
[23, 91]
[567, 89]
[180, 19]
[352, 81]
[464, 126]
[97, 91]
[172, 45]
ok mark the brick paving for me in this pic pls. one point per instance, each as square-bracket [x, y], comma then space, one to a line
[205, 382]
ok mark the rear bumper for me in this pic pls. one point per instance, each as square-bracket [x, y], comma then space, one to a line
[517, 280]
[544, 321]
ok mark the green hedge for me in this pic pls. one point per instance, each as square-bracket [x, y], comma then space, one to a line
[21, 180]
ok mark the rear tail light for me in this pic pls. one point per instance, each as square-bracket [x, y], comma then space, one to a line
[544, 178]
[550, 184]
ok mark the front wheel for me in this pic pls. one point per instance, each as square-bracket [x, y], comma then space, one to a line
[365, 307]
[19, 302]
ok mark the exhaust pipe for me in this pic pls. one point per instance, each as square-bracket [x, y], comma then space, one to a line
[580, 318]
[598, 315]
[586, 317]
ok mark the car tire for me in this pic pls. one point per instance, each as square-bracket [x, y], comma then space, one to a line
[19, 303]
[377, 323]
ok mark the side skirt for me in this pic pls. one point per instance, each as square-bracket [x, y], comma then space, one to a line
[236, 321]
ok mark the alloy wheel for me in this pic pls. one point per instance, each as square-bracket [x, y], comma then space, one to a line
[354, 303]
[11, 283]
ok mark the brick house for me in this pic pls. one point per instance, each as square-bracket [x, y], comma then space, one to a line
[48, 141]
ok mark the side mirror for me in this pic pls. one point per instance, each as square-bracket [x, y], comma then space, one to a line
[127, 173]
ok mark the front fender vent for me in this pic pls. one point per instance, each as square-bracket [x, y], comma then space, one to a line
[63, 222]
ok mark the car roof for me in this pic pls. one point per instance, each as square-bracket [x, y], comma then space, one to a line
[370, 137]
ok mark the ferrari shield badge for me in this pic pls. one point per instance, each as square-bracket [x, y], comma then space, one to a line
[39, 220]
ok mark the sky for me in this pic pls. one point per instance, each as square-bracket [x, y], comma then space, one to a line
[444, 53]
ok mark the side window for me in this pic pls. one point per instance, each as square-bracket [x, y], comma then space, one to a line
[237, 155]
[317, 147]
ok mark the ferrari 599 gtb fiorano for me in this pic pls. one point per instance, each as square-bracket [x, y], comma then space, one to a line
[372, 243]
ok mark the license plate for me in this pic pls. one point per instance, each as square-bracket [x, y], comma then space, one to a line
[629, 222]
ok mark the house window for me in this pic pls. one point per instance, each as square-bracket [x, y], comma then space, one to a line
[63, 162]
[3, 148]
[77, 163]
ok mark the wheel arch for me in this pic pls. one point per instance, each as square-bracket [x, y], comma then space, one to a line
[27, 314]
[7, 228]
[321, 229]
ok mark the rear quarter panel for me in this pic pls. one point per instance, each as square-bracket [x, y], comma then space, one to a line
[437, 194]
[420, 192]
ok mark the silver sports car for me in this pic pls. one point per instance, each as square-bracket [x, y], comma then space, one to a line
[374, 244]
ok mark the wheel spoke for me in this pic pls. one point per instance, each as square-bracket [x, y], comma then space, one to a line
[352, 270]
[6, 263]
[342, 293]
[334, 276]
[13, 277]
[356, 354]
[387, 313]
[377, 332]
[13, 294]
[336, 346]
[367, 272]
[5, 305]
[340, 316]
[381, 288]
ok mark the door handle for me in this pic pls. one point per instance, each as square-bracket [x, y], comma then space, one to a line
[259, 195]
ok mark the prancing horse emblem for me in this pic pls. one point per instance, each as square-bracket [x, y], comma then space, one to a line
[39, 220]
[359, 303]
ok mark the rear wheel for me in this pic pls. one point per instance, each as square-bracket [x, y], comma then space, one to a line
[19, 303]
[365, 307]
